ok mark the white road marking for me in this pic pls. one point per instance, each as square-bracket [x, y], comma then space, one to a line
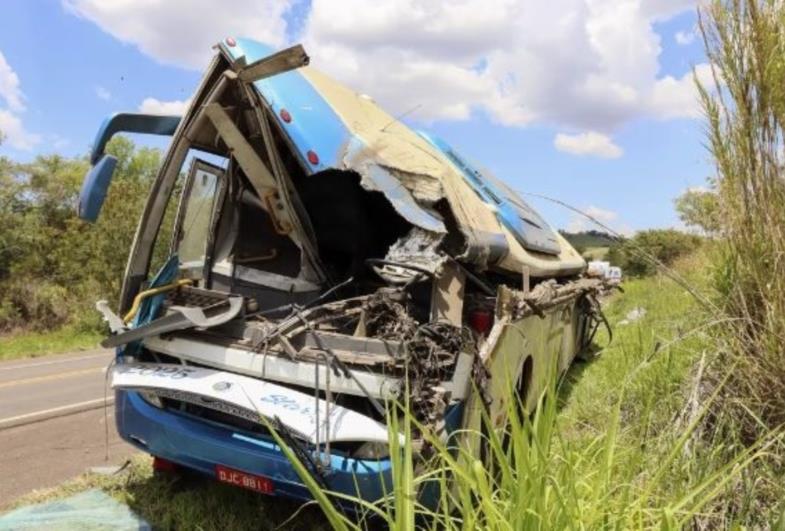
[50, 377]
[52, 362]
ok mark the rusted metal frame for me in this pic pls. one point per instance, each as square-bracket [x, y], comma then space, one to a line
[545, 296]
[477, 281]
[267, 183]
[239, 147]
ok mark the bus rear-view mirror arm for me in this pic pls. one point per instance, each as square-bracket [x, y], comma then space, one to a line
[99, 176]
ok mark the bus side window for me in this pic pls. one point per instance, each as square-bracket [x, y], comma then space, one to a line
[197, 215]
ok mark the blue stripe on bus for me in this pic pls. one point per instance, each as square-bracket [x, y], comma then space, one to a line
[314, 125]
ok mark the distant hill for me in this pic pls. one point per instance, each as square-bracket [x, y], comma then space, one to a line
[588, 238]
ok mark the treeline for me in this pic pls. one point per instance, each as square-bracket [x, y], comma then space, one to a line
[648, 250]
[53, 266]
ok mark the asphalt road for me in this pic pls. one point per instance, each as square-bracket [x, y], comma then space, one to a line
[53, 421]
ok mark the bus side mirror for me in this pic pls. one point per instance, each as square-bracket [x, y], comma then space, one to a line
[97, 180]
[94, 188]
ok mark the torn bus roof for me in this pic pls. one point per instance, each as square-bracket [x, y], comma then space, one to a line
[332, 127]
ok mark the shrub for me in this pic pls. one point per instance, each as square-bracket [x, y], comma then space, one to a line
[666, 245]
[34, 305]
[53, 266]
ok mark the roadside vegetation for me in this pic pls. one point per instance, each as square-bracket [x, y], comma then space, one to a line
[595, 253]
[53, 266]
[624, 442]
[648, 250]
[26, 344]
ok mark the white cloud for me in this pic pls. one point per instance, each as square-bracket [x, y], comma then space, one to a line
[181, 32]
[588, 143]
[677, 98]
[155, 106]
[14, 133]
[103, 93]
[684, 37]
[10, 89]
[609, 218]
[587, 65]
[601, 214]
[664, 9]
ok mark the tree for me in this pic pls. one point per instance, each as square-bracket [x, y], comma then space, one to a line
[666, 245]
[700, 209]
[54, 266]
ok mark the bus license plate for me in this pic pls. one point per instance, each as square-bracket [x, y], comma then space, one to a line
[243, 479]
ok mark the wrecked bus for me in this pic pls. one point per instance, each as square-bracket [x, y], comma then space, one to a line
[321, 258]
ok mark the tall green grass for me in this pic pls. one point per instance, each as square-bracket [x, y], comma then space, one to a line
[744, 104]
[745, 110]
[537, 480]
[615, 446]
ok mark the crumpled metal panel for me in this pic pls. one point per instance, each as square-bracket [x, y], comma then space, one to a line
[331, 126]
[418, 248]
[528, 227]
[377, 178]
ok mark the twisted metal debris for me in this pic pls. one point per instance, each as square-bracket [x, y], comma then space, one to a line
[428, 355]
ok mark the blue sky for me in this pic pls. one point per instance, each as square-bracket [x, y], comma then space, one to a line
[623, 160]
